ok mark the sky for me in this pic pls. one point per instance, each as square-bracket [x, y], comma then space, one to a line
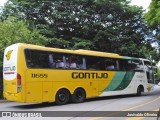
[2, 2]
[143, 3]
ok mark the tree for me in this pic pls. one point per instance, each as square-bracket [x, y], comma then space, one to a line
[153, 19]
[153, 16]
[103, 25]
[157, 76]
[13, 31]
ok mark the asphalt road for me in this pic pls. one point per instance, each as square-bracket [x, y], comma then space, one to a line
[91, 109]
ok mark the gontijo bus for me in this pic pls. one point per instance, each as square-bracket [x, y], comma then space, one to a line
[34, 73]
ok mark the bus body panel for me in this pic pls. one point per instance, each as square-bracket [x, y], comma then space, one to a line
[15, 54]
[135, 81]
[47, 92]
[10, 69]
[33, 92]
[54, 80]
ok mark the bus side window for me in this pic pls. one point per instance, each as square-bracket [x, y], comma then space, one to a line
[123, 64]
[73, 65]
[30, 64]
[60, 64]
[81, 63]
[57, 61]
[43, 61]
[95, 63]
[84, 63]
[130, 65]
[111, 64]
[37, 59]
[29, 55]
[51, 61]
[75, 62]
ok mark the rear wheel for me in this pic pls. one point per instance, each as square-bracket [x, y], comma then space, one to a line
[78, 96]
[62, 97]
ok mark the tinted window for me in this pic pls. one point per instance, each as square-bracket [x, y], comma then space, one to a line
[37, 59]
[75, 62]
[129, 65]
[43, 59]
[111, 64]
[95, 63]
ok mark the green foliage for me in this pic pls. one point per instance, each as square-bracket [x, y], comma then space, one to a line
[157, 75]
[57, 43]
[82, 44]
[153, 16]
[13, 31]
[103, 25]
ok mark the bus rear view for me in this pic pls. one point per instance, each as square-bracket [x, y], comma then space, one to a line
[11, 78]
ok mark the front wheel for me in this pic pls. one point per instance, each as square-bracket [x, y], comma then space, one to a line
[78, 96]
[62, 97]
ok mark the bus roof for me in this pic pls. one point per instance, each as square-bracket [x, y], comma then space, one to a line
[97, 53]
[80, 51]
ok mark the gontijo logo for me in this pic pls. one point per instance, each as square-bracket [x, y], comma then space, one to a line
[8, 55]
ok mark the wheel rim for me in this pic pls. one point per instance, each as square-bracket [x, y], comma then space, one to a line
[79, 95]
[62, 97]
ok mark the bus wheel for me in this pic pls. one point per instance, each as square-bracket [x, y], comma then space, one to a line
[62, 97]
[139, 90]
[78, 96]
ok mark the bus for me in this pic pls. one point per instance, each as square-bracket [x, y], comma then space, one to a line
[37, 74]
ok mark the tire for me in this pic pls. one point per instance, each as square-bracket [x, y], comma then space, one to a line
[139, 91]
[62, 97]
[78, 96]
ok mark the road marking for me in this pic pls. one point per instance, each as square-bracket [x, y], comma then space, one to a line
[141, 104]
[96, 118]
[135, 118]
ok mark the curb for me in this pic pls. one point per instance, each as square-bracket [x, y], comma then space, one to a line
[4, 101]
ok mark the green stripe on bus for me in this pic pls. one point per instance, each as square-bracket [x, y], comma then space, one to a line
[117, 79]
[126, 81]
[130, 58]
